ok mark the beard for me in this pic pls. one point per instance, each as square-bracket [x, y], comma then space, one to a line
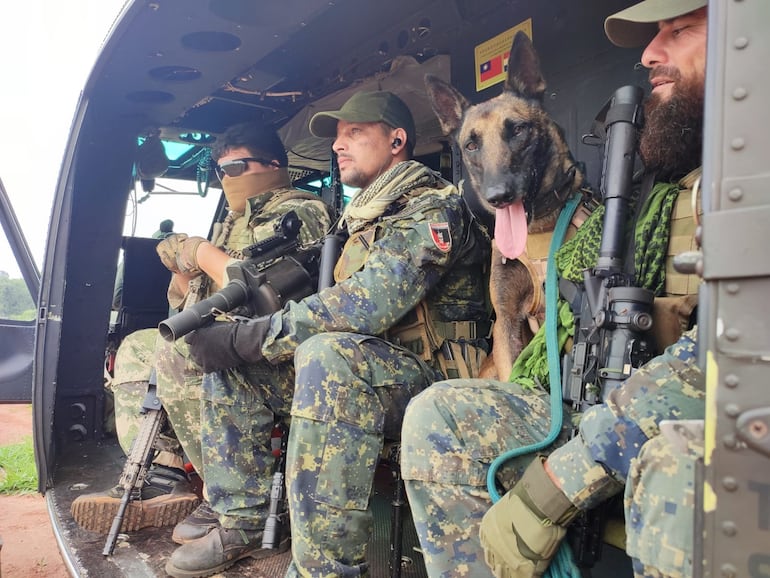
[672, 139]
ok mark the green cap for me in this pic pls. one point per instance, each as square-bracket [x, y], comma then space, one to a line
[637, 25]
[366, 107]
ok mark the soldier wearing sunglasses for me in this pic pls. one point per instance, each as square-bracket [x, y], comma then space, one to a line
[252, 167]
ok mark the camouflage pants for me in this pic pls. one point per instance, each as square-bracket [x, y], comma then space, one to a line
[660, 507]
[346, 393]
[454, 430]
[134, 361]
[179, 388]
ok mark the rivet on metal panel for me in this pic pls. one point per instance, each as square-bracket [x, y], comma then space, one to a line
[732, 380]
[741, 42]
[730, 483]
[728, 571]
[733, 288]
[732, 410]
[737, 143]
[740, 93]
[733, 334]
[735, 194]
[729, 528]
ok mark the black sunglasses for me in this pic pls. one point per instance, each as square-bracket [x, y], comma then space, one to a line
[237, 167]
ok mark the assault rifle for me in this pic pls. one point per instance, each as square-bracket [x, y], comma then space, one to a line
[139, 459]
[276, 270]
[613, 317]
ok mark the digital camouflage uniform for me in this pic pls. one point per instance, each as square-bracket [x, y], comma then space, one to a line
[133, 362]
[623, 434]
[349, 383]
[455, 429]
[660, 504]
[179, 379]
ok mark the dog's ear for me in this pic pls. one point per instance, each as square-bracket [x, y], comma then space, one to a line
[524, 76]
[448, 104]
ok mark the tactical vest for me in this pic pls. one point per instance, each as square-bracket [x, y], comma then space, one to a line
[672, 312]
[448, 346]
[535, 259]
[237, 233]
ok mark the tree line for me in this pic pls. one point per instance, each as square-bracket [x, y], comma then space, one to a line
[15, 301]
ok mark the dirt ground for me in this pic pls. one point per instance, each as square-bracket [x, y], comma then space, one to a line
[28, 544]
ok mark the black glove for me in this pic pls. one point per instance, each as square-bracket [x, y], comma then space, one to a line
[225, 344]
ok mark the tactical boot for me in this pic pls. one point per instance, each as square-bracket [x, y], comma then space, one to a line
[164, 500]
[215, 552]
[196, 525]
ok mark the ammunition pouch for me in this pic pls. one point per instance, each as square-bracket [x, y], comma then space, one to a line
[672, 316]
[454, 347]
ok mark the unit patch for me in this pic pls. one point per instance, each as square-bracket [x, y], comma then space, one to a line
[441, 236]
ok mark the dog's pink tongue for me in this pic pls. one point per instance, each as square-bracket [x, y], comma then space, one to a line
[511, 230]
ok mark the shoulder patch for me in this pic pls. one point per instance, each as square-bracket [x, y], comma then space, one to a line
[441, 236]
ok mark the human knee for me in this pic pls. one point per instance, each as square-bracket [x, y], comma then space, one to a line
[423, 423]
[316, 355]
[329, 389]
[134, 358]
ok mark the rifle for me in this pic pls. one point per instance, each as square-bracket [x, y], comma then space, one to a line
[613, 317]
[276, 270]
[139, 459]
[277, 512]
[333, 194]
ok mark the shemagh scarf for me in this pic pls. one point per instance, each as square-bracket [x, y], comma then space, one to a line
[372, 202]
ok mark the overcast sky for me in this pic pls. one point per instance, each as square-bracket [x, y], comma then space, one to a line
[48, 50]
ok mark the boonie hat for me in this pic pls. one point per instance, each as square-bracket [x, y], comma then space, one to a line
[378, 106]
[637, 25]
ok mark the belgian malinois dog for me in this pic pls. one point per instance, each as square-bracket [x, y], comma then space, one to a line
[520, 166]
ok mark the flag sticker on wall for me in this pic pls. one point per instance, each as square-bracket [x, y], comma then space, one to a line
[491, 56]
[492, 68]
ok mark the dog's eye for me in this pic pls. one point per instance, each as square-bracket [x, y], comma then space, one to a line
[515, 130]
[471, 146]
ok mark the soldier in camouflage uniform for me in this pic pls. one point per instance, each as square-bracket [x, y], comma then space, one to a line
[455, 429]
[252, 168]
[345, 361]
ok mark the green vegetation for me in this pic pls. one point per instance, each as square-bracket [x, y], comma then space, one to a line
[15, 301]
[17, 468]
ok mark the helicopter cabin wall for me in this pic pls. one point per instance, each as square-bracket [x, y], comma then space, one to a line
[581, 67]
[98, 184]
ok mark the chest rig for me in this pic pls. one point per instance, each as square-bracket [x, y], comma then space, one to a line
[449, 346]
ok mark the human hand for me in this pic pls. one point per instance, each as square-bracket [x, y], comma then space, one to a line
[521, 533]
[177, 252]
[224, 344]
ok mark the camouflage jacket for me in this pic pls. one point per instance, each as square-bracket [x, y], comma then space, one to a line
[426, 246]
